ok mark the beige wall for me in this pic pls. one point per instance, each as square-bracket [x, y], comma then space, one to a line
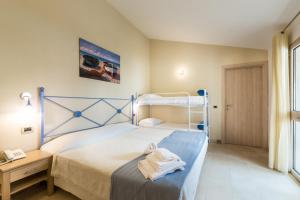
[203, 65]
[39, 47]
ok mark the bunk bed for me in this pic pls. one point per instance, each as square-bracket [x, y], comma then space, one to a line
[195, 105]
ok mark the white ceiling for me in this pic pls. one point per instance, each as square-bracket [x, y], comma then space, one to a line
[241, 23]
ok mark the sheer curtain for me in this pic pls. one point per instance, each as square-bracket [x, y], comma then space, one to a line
[279, 136]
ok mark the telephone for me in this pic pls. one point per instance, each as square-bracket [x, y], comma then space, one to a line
[11, 155]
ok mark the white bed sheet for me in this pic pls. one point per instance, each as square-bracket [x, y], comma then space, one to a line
[85, 165]
[171, 101]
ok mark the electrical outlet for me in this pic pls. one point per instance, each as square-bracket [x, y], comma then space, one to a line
[27, 130]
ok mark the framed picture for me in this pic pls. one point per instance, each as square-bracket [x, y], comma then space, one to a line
[98, 63]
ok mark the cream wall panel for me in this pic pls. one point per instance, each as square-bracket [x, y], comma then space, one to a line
[203, 69]
[39, 47]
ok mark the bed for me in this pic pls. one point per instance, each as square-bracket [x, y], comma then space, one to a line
[84, 161]
[197, 108]
[89, 162]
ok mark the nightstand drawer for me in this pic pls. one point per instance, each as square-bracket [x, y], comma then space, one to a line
[28, 170]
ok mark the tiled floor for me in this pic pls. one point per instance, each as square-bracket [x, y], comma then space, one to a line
[229, 173]
[240, 173]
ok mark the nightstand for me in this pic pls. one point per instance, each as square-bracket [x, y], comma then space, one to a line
[23, 173]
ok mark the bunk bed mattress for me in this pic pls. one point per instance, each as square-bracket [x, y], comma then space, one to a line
[86, 170]
[176, 126]
[171, 101]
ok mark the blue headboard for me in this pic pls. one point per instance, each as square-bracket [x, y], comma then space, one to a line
[117, 110]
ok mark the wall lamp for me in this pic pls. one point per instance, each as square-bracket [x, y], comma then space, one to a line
[181, 72]
[26, 96]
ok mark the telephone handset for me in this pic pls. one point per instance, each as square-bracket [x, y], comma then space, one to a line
[11, 155]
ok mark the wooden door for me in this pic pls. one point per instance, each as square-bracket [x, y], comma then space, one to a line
[244, 106]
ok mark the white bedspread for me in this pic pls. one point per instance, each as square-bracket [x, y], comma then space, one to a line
[84, 161]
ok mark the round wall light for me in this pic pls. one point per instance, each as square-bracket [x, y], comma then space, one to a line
[181, 72]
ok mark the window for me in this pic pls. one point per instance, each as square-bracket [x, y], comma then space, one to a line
[295, 55]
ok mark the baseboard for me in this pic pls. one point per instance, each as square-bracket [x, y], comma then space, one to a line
[215, 141]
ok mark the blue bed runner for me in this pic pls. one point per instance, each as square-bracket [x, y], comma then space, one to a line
[127, 182]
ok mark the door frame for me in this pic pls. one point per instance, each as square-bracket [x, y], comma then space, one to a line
[265, 117]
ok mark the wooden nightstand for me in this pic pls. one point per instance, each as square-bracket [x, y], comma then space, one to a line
[23, 173]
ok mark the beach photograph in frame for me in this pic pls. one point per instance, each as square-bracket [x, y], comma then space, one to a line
[98, 63]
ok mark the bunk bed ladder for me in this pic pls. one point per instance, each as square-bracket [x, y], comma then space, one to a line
[203, 125]
[207, 119]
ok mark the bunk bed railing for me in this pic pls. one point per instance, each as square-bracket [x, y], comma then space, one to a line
[204, 108]
[187, 94]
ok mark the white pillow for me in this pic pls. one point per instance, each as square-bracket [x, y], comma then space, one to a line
[149, 122]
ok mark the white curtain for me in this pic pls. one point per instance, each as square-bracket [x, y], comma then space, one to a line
[279, 136]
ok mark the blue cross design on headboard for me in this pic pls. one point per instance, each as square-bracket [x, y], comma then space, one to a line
[46, 136]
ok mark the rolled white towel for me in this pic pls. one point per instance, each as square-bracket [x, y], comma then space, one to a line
[150, 148]
[150, 173]
[159, 174]
[164, 165]
[162, 154]
[159, 163]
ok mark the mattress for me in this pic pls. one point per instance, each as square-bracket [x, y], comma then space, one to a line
[175, 126]
[151, 99]
[84, 161]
